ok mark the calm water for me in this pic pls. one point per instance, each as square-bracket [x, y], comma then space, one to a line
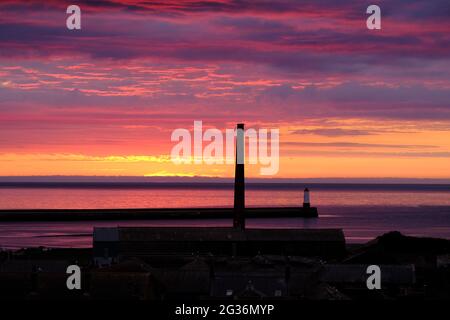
[363, 212]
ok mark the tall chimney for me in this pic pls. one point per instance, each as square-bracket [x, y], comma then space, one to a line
[239, 181]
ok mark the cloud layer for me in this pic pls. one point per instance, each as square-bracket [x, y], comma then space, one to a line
[137, 70]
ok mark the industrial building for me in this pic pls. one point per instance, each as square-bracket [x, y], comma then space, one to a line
[115, 244]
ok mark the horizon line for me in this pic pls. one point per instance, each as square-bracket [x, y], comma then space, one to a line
[199, 179]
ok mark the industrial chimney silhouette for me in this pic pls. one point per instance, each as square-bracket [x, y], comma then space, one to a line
[239, 181]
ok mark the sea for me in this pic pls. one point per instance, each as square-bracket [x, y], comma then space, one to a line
[363, 211]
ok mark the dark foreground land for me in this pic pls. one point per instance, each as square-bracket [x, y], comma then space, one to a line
[411, 268]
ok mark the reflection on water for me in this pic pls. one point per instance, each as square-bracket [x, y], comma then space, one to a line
[21, 198]
[362, 214]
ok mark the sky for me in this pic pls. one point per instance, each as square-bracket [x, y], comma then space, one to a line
[103, 101]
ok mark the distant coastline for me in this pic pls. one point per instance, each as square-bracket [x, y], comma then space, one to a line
[251, 185]
[220, 180]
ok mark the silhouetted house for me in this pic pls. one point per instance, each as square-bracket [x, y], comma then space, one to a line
[443, 261]
[325, 291]
[247, 278]
[191, 280]
[131, 280]
[351, 279]
[43, 278]
[304, 276]
[14, 284]
[391, 275]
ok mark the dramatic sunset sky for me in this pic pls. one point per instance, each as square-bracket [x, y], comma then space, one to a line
[104, 100]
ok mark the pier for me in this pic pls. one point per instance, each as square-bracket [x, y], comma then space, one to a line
[149, 214]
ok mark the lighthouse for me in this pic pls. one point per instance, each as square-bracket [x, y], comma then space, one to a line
[306, 202]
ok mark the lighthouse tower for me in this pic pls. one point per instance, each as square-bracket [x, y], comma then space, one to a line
[306, 202]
